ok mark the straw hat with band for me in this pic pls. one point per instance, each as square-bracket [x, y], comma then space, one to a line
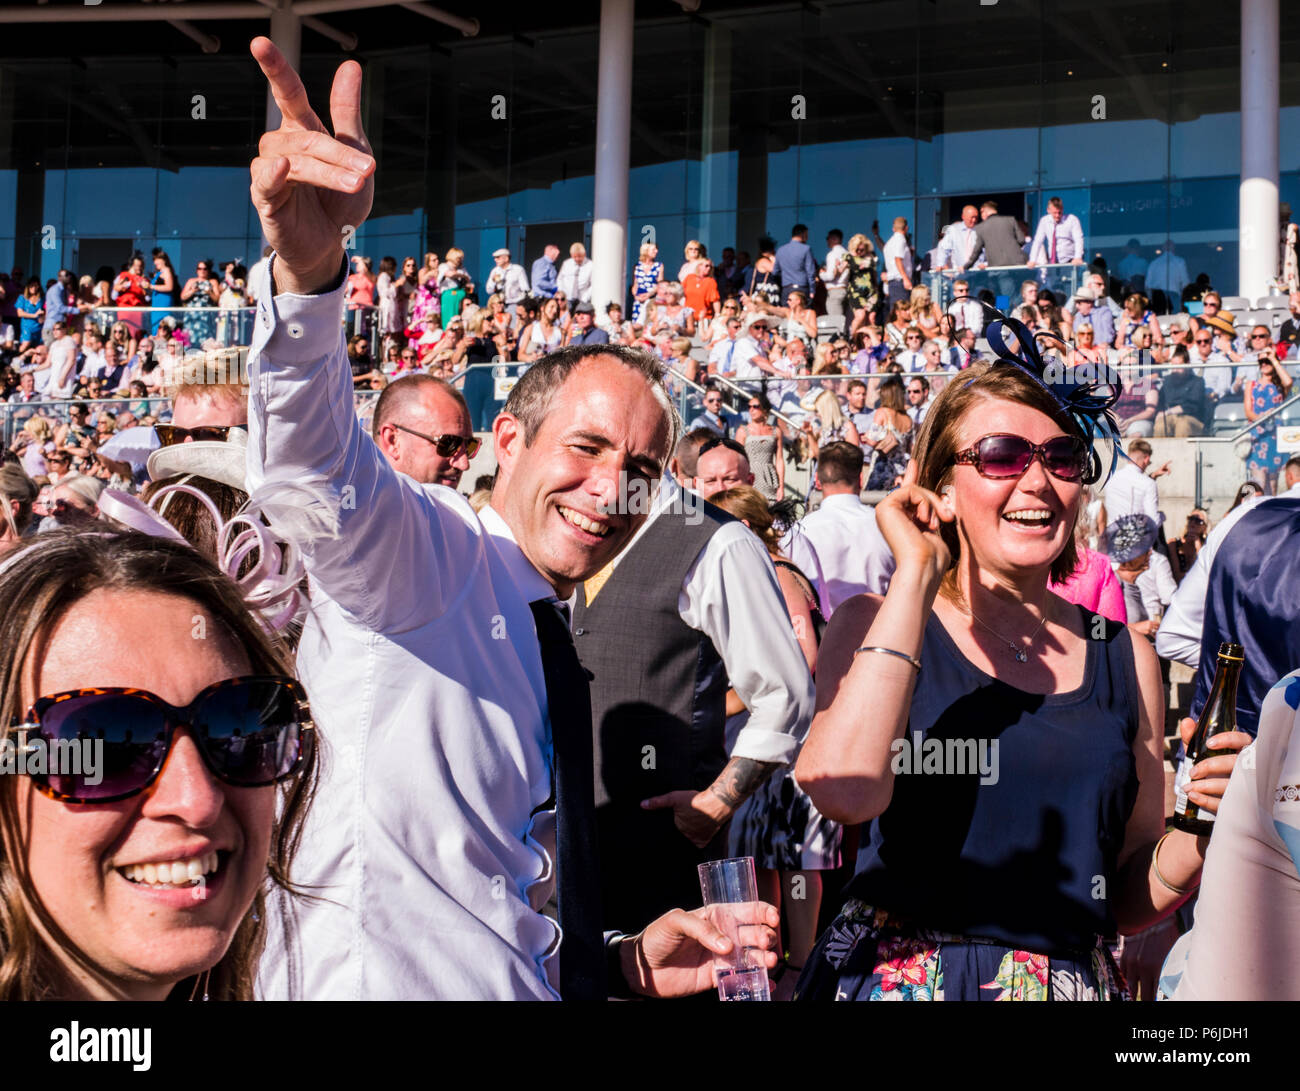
[1224, 322]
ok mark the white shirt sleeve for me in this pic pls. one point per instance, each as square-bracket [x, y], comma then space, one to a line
[1148, 499]
[1180, 632]
[304, 431]
[732, 595]
[1076, 234]
[1038, 250]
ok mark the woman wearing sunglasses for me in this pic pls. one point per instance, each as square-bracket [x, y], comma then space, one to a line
[1003, 746]
[141, 871]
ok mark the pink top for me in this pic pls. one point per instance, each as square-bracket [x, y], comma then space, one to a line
[1094, 586]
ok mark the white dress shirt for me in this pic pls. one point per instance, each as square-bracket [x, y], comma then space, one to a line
[1131, 492]
[511, 281]
[1181, 630]
[828, 275]
[63, 368]
[1068, 235]
[968, 314]
[896, 247]
[911, 360]
[959, 247]
[1156, 584]
[1168, 272]
[574, 281]
[840, 548]
[429, 837]
[1218, 380]
[731, 595]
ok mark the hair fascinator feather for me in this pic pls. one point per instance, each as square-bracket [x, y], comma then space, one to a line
[1087, 393]
[271, 583]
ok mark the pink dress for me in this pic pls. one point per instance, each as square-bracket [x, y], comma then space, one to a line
[1094, 586]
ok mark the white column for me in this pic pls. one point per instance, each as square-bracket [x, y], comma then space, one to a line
[286, 33]
[1258, 249]
[613, 128]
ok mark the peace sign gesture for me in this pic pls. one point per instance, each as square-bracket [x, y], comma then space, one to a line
[310, 189]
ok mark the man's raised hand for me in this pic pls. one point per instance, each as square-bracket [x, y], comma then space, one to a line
[309, 188]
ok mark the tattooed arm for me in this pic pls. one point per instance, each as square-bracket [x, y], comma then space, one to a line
[699, 815]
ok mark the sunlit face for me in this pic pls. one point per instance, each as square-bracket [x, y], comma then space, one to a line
[969, 215]
[999, 544]
[857, 398]
[560, 495]
[1055, 212]
[435, 414]
[197, 411]
[142, 940]
[719, 469]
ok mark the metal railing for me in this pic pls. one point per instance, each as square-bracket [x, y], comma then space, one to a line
[1237, 444]
[16, 414]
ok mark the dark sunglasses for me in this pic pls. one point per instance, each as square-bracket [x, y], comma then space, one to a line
[1003, 455]
[250, 732]
[171, 434]
[447, 446]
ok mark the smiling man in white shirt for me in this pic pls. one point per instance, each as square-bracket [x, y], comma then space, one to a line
[430, 646]
[838, 546]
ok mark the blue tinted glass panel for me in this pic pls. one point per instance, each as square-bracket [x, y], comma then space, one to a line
[567, 200]
[969, 162]
[1103, 151]
[657, 188]
[196, 199]
[1209, 145]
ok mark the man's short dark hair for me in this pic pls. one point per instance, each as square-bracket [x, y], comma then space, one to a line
[531, 396]
[854, 385]
[401, 393]
[839, 463]
[688, 449]
[1055, 202]
[992, 206]
[799, 229]
[835, 233]
[1291, 465]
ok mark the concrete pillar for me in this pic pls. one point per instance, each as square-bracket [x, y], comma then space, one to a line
[1258, 206]
[613, 141]
[286, 33]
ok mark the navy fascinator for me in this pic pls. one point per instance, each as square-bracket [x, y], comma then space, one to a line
[1086, 393]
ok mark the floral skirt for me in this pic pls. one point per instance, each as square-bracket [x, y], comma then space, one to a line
[868, 955]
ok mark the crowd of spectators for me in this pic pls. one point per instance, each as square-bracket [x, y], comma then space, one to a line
[771, 328]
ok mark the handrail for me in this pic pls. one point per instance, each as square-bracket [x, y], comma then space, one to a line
[1250, 426]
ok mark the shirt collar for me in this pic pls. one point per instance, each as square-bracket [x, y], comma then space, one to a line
[842, 500]
[531, 583]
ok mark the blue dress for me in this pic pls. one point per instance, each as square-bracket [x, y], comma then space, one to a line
[1264, 455]
[159, 299]
[644, 279]
[987, 876]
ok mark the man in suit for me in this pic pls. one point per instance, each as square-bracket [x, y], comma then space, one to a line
[794, 263]
[1002, 241]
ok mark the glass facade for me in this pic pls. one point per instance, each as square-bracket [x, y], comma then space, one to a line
[745, 119]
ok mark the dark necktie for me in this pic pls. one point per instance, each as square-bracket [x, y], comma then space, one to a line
[568, 700]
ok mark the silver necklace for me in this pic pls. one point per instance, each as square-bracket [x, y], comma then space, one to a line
[1021, 654]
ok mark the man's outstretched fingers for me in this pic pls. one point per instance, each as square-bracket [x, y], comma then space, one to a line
[270, 183]
[286, 87]
[345, 106]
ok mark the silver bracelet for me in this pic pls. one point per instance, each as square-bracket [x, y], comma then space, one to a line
[890, 651]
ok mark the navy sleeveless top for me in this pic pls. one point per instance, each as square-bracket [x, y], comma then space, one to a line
[1015, 842]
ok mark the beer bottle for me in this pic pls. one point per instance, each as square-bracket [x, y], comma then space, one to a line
[1218, 715]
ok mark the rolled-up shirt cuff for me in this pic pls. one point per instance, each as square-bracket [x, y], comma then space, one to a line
[762, 744]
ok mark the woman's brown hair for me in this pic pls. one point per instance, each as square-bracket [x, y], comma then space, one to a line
[937, 442]
[37, 588]
[747, 504]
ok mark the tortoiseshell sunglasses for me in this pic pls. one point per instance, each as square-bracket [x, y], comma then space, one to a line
[251, 731]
